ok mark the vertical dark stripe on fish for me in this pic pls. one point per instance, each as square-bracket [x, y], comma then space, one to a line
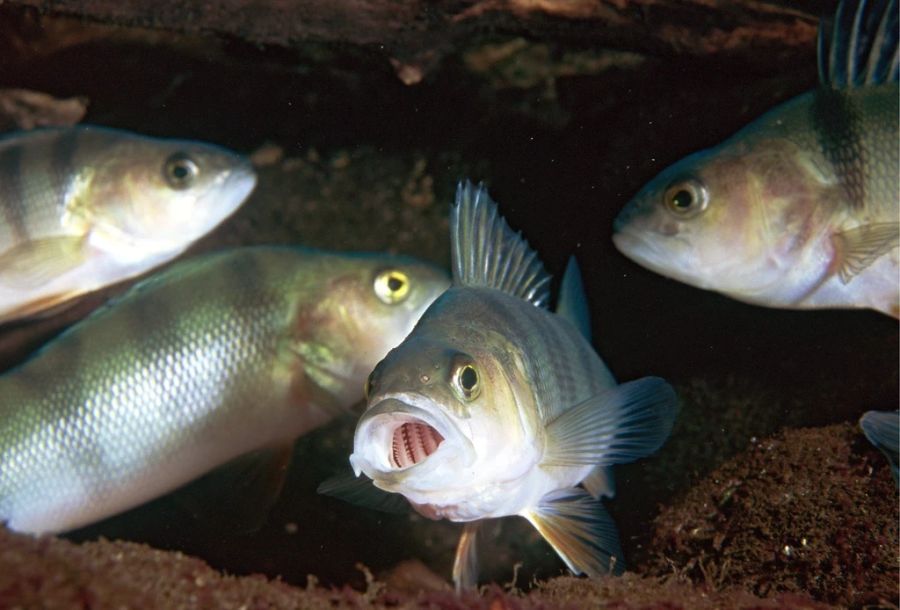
[61, 162]
[12, 195]
[838, 129]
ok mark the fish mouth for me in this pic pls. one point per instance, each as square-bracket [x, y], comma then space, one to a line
[412, 442]
[394, 437]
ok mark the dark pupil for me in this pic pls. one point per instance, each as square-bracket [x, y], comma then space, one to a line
[394, 284]
[180, 171]
[682, 199]
[468, 378]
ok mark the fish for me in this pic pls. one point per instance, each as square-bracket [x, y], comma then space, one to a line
[495, 406]
[231, 354]
[799, 209]
[84, 207]
[882, 428]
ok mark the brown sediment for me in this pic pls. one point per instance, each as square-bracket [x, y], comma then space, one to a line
[810, 510]
[54, 573]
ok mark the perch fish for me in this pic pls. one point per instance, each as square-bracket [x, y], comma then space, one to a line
[84, 207]
[801, 208]
[218, 356]
[494, 406]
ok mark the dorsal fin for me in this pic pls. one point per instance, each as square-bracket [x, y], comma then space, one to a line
[485, 252]
[861, 48]
[572, 302]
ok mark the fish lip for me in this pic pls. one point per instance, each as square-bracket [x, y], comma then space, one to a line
[390, 411]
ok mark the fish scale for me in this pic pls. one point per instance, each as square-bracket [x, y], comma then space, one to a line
[188, 370]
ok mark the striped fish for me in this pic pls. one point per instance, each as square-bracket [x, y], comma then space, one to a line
[218, 356]
[493, 406]
[84, 207]
[801, 208]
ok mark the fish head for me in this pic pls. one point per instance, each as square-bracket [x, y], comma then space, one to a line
[161, 193]
[444, 425]
[372, 302]
[734, 218]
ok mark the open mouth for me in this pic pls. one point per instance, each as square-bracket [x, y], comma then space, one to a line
[412, 442]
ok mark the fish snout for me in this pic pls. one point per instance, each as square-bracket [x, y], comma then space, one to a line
[393, 436]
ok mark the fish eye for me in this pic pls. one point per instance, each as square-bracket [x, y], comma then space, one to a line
[467, 381]
[180, 171]
[686, 198]
[391, 286]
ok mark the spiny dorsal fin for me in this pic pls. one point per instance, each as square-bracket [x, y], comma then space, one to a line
[486, 252]
[580, 530]
[861, 48]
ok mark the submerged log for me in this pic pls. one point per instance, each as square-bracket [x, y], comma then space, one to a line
[415, 35]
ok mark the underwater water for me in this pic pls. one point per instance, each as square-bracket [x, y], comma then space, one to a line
[357, 160]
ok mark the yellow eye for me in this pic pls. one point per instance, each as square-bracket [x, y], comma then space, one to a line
[467, 381]
[391, 286]
[180, 171]
[686, 198]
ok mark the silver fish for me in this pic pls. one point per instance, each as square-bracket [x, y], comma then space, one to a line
[494, 406]
[216, 357]
[882, 428]
[801, 208]
[84, 207]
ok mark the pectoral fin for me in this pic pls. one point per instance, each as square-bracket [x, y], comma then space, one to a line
[361, 492]
[465, 564]
[625, 423]
[580, 530]
[33, 263]
[882, 428]
[239, 494]
[858, 248]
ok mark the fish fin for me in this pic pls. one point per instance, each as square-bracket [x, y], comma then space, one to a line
[572, 304]
[580, 530]
[882, 428]
[239, 494]
[465, 563]
[34, 263]
[623, 424]
[360, 491]
[858, 248]
[861, 47]
[600, 482]
[486, 252]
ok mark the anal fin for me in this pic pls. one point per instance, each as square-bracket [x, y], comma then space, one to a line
[580, 530]
[465, 563]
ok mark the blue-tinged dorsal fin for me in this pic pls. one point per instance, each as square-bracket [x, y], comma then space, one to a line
[485, 252]
[861, 48]
[572, 302]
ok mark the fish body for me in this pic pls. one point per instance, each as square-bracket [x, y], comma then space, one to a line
[494, 406]
[84, 207]
[801, 208]
[216, 357]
